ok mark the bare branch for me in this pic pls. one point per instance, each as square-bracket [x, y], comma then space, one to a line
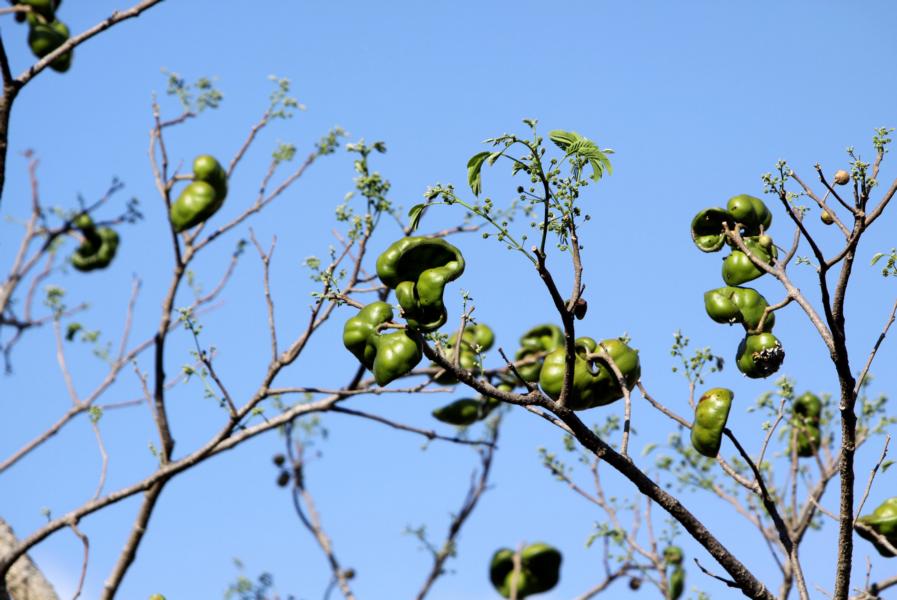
[881, 459]
[477, 487]
[71, 43]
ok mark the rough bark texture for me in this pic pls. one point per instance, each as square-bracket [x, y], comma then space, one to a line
[24, 581]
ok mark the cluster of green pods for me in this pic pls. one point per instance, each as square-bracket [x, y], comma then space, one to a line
[539, 571]
[594, 382]
[760, 354]
[98, 248]
[46, 33]
[418, 269]
[387, 355]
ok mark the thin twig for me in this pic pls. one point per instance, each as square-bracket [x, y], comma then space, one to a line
[881, 459]
[477, 487]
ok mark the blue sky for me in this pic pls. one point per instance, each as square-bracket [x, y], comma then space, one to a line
[698, 99]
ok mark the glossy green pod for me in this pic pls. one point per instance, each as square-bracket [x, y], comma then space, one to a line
[202, 197]
[594, 383]
[711, 414]
[707, 229]
[883, 521]
[759, 355]
[538, 340]
[738, 268]
[418, 269]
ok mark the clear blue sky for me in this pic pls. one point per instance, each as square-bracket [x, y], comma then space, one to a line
[697, 98]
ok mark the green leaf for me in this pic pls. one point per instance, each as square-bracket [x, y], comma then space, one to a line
[877, 257]
[494, 157]
[886, 465]
[648, 449]
[415, 214]
[563, 139]
[531, 123]
[473, 171]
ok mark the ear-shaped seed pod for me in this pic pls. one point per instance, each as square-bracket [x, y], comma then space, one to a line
[711, 415]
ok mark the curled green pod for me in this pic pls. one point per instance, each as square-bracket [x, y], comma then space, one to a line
[359, 330]
[538, 340]
[202, 197]
[418, 269]
[738, 305]
[388, 356]
[98, 248]
[540, 569]
[594, 383]
[711, 415]
[738, 268]
[707, 230]
[44, 38]
[396, 355]
[759, 355]
[751, 212]
[883, 521]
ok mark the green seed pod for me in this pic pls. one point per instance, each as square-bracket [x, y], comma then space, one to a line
[808, 439]
[738, 305]
[677, 584]
[480, 335]
[807, 413]
[809, 406]
[359, 330]
[738, 268]
[44, 38]
[711, 415]
[759, 355]
[707, 229]
[397, 355]
[594, 383]
[466, 411]
[99, 246]
[882, 521]
[388, 356]
[418, 269]
[750, 212]
[539, 339]
[203, 197]
[476, 336]
[539, 570]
